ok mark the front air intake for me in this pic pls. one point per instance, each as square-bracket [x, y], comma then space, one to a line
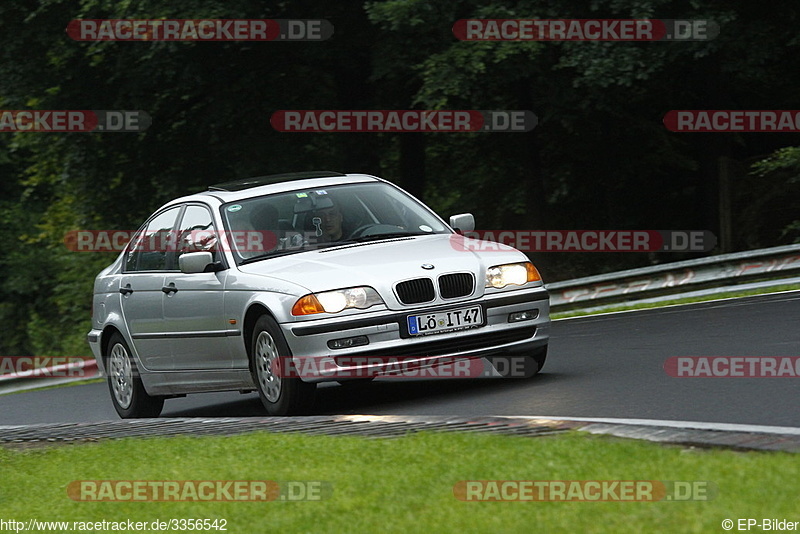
[415, 291]
[456, 285]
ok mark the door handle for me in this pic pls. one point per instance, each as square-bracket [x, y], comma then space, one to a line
[170, 288]
[126, 290]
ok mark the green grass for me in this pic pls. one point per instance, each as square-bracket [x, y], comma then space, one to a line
[403, 484]
[687, 300]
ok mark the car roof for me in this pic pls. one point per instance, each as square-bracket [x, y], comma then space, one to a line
[277, 183]
[247, 183]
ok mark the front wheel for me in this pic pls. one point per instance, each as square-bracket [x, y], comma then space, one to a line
[127, 391]
[540, 356]
[280, 394]
[520, 365]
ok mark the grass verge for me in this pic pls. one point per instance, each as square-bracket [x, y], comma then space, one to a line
[403, 484]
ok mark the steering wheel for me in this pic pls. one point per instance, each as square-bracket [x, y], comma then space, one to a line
[374, 229]
[358, 232]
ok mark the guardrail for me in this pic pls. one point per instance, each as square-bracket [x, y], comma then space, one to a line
[49, 376]
[675, 278]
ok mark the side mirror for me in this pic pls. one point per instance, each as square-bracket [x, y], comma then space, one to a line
[198, 262]
[463, 222]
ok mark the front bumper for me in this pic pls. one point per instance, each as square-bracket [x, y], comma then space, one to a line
[388, 337]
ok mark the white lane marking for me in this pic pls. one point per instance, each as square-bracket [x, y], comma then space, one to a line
[694, 425]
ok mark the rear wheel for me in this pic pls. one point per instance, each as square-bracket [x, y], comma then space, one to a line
[127, 391]
[280, 394]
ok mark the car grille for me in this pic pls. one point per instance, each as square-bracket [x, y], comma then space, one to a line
[415, 291]
[449, 345]
[455, 285]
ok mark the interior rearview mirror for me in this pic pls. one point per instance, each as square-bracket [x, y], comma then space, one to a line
[312, 202]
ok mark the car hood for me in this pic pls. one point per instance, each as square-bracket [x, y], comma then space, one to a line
[380, 264]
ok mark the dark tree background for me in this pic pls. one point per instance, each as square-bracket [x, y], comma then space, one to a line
[600, 157]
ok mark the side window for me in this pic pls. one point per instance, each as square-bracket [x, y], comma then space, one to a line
[196, 232]
[148, 250]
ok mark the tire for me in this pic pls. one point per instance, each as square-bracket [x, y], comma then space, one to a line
[540, 356]
[510, 366]
[280, 395]
[127, 391]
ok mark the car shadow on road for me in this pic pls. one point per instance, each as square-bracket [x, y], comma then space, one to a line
[365, 398]
[248, 406]
[408, 394]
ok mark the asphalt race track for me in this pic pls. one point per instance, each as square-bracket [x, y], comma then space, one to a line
[602, 366]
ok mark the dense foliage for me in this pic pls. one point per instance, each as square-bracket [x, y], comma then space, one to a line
[600, 157]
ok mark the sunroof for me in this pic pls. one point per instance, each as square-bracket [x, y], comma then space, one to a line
[246, 183]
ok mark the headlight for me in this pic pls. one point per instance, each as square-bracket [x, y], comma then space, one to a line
[512, 273]
[336, 301]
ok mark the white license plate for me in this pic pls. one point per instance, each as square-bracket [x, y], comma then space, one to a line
[445, 321]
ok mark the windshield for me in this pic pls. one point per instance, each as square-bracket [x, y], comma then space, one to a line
[285, 223]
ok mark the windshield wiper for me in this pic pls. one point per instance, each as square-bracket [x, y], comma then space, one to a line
[270, 255]
[378, 237]
[318, 246]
